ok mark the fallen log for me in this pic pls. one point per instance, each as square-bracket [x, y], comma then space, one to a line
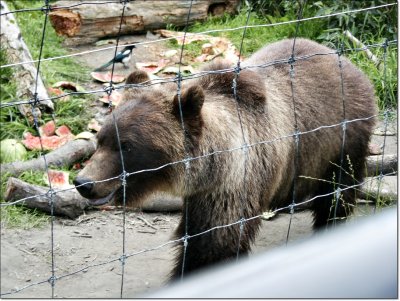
[162, 202]
[70, 203]
[25, 74]
[384, 189]
[66, 203]
[376, 166]
[87, 23]
[66, 155]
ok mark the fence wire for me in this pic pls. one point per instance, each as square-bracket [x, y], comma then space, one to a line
[244, 147]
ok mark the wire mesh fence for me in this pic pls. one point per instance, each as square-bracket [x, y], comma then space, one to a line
[243, 148]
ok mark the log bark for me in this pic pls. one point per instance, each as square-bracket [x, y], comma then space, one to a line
[66, 155]
[70, 203]
[161, 202]
[66, 203]
[87, 23]
[25, 74]
[375, 166]
[384, 189]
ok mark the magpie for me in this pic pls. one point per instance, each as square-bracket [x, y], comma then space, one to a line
[122, 57]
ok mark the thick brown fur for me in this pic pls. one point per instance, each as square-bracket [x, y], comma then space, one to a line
[224, 187]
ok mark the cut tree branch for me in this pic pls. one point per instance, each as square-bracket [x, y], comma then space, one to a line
[66, 155]
[368, 52]
[67, 203]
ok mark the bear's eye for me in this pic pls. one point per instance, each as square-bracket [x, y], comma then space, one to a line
[126, 146]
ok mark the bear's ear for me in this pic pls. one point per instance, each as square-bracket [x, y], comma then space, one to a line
[137, 77]
[192, 100]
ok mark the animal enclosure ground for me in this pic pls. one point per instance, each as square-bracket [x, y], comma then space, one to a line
[96, 237]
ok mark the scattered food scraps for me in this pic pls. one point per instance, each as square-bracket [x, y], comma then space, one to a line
[58, 92]
[115, 98]
[57, 178]
[84, 135]
[69, 86]
[106, 77]
[152, 67]
[94, 125]
[48, 129]
[48, 142]
[63, 131]
[169, 53]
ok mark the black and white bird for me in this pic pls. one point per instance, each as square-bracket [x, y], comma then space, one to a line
[122, 57]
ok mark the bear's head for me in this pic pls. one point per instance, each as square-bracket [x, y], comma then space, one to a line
[143, 136]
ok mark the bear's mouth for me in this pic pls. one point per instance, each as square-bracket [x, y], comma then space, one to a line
[102, 201]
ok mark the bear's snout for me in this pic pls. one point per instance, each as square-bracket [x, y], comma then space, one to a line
[84, 186]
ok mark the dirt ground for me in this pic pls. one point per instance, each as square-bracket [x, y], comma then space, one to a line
[88, 248]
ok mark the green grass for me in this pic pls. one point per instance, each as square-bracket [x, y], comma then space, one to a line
[22, 218]
[31, 25]
[385, 89]
[16, 216]
[72, 112]
[371, 28]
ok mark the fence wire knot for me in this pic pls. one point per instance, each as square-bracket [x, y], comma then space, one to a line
[179, 79]
[122, 259]
[338, 193]
[245, 147]
[385, 44]
[35, 100]
[185, 240]
[52, 280]
[344, 125]
[291, 208]
[109, 89]
[340, 50]
[242, 221]
[291, 60]
[50, 195]
[186, 161]
[123, 177]
[46, 7]
[380, 176]
[296, 137]
[237, 69]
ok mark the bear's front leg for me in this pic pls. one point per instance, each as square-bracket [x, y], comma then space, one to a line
[215, 245]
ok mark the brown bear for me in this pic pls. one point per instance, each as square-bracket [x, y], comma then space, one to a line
[262, 104]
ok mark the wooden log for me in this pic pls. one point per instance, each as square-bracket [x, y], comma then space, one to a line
[375, 166]
[384, 189]
[66, 203]
[66, 155]
[160, 202]
[70, 203]
[87, 23]
[25, 74]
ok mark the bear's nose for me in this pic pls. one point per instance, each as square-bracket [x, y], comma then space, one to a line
[84, 186]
